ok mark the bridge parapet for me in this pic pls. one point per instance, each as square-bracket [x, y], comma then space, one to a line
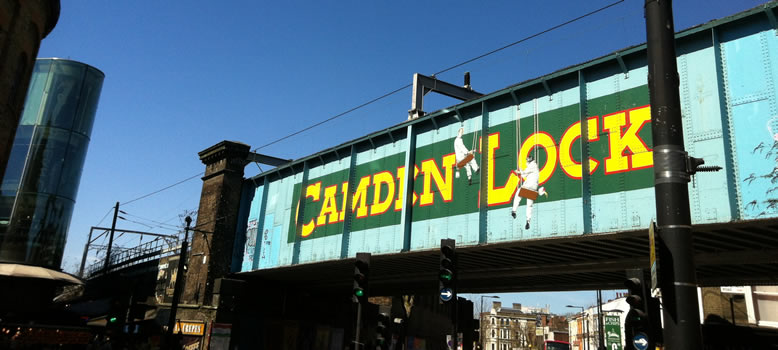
[125, 257]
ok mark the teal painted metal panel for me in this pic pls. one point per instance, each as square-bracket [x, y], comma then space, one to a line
[749, 63]
[730, 110]
[253, 227]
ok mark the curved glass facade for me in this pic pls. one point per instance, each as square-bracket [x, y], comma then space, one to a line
[38, 191]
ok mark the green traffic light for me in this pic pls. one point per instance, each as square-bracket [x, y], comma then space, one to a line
[359, 292]
[112, 319]
[446, 275]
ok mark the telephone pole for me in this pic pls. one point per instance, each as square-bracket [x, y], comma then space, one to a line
[110, 238]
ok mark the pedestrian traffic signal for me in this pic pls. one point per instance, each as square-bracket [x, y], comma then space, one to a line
[447, 272]
[382, 334]
[361, 276]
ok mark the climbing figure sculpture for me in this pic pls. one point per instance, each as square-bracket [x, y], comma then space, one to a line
[529, 188]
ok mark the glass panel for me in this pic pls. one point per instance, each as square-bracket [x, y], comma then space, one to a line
[74, 164]
[62, 98]
[13, 171]
[33, 103]
[6, 204]
[90, 94]
[37, 231]
[44, 165]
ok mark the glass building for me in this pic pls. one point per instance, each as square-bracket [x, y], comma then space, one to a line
[38, 191]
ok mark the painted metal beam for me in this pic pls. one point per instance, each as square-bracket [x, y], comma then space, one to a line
[266, 159]
[347, 218]
[423, 84]
[300, 216]
[406, 216]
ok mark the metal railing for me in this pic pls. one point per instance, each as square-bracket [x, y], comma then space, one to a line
[125, 257]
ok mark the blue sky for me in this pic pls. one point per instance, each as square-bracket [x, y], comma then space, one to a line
[182, 76]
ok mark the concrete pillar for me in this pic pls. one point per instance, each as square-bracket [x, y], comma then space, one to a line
[214, 233]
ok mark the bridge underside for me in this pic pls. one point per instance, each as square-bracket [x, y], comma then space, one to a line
[743, 253]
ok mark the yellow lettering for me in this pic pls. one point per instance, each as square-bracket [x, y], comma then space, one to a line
[344, 193]
[432, 173]
[546, 142]
[313, 192]
[640, 156]
[329, 208]
[572, 168]
[497, 195]
[359, 202]
[383, 178]
[593, 135]
[399, 203]
[569, 165]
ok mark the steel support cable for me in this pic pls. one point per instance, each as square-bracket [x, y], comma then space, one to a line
[443, 71]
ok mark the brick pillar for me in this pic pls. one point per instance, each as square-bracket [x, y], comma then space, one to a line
[212, 240]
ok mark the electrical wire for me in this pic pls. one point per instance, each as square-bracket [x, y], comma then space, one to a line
[441, 72]
[336, 116]
[531, 36]
[162, 189]
[105, 216]
[158, 224]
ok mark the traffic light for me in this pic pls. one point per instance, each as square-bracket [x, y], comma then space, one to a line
[448, 269]
[639, 331]
[382, 334]
[361, 276]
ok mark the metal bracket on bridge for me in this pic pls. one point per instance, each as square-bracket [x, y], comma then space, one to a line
[265, 159]
[423, 84]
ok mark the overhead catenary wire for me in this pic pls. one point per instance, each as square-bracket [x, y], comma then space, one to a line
[443, 71]
[164, 188]
[157, 224]
[105, 216]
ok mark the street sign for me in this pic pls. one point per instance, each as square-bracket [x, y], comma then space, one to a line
[612, 332]
[652, 258]
[446, 294]
[640, 341]
[733, 290]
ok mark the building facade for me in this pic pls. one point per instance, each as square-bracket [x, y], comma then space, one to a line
[740, 305]
[585, 326]
[38, 191]
[519, 328]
